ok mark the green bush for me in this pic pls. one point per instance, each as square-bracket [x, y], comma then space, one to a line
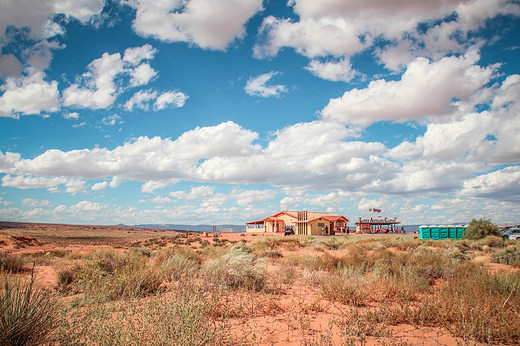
[478, 229]
[27, 315]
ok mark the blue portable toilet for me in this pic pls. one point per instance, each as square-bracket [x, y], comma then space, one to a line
[434, 229]
[452, 232]
[460, 230]
[424, 232]
[443, 232]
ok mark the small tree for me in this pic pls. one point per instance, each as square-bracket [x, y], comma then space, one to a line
[480, 229]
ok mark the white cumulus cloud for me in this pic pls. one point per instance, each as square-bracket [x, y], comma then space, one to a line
[332, 70]
[212, 24]
[99, 87]
[28, 96]
[425, 89]
[257, 86]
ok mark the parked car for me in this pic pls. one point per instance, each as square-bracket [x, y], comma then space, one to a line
[512, 233]
[289, 230]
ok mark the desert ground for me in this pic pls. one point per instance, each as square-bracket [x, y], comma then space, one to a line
[109, 285]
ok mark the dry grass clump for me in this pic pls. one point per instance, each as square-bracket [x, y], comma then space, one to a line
[286, 274]
[12, 263]
[212, 251]
[344, 290]
[159, 256]
[27, 314]
[238, 268]
[108, 275]
[178, 267]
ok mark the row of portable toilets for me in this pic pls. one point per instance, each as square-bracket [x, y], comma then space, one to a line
[441, 232]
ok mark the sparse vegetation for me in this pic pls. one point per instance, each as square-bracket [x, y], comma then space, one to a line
[220, 291]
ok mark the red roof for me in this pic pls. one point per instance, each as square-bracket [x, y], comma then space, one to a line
[332, 218]
[289, 213]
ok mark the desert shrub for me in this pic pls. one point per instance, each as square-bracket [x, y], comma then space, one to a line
[403, 244]
[509, 255]
[329, 262]
[285, 274]
[271, 254]
[264, 244]
[179, 266]
[212, 252]
[478, 229]
[60, 253]
[141, 250]
[463, 246]
[12, 264]
[388, 264]
[430, 265]
[289, 274]
[493, 241]
[193, 240]
[401, 289]
[313, 277]
[67, 277]
[175, 239]
[163, 254]
[238, 268]
[332, 244]
[358, 257]
[27, 314]
[74, 255]
[161, 243]
[454, 254]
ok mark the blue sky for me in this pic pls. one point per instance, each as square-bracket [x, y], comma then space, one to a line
[226, 111]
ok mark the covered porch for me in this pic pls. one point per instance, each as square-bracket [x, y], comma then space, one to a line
[268, 225]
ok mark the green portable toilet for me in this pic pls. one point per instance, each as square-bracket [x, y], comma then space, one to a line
[434, 229]
[424, 232]
[460, 230]
[452, 232]
[443, 232]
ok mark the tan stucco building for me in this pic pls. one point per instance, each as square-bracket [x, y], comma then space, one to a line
[302, 222]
